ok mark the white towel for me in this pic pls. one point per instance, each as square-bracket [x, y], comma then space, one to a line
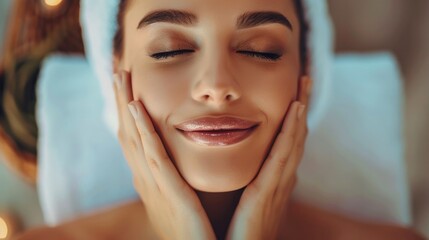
[354, 161]
[80, 163]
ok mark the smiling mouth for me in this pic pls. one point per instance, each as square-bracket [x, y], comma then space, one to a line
[223, 131]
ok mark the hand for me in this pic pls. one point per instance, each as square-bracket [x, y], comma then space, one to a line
[261, 207]
[172, 206]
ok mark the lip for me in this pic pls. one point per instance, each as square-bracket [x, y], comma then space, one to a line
[219, 131]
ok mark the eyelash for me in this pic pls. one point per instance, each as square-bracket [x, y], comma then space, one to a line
[262, 55]
[165, 55]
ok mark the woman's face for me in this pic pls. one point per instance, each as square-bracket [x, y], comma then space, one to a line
[217, 77]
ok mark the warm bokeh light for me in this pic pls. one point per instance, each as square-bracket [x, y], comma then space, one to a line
[3, 229]
[53, 3]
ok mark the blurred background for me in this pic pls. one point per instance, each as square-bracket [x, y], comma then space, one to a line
[30, 30]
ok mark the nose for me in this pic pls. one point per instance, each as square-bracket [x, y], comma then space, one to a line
[216, 85]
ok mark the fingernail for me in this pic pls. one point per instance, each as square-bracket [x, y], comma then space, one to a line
[301, 109]
[133, 110]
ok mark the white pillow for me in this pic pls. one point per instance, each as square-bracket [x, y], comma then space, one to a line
[80, 163]
[354, 161]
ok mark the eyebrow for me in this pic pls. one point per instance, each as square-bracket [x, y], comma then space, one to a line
[246, 20]
[169, 16]
[253, 19]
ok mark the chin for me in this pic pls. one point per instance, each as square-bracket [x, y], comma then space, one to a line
[217, 184]
[219, 170]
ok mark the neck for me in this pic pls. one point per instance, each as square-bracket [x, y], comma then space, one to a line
[220, 208]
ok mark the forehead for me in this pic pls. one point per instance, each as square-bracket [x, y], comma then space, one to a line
[220, 11]
[223, 4]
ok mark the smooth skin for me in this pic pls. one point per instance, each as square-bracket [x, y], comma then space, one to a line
[245, 64]
[129, 221]
[172, 205]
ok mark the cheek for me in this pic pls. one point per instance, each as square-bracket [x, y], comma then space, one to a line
[275, 98]
[272, 90]
[160, 91]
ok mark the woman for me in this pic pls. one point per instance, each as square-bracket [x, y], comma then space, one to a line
[217, 90]
[213, 123]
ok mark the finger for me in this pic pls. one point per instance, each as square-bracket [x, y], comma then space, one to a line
[298, 148]
[291, 167]
[271, 171]
[119, 106]
[305, 89]
[126, 96]
[122, 99]
[132, 142]
[284, 198]
[123, 131]
[118, 100]
[164, 172]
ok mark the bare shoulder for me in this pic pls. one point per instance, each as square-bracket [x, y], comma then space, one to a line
[307, 222]
[127, 221]
[43, 233]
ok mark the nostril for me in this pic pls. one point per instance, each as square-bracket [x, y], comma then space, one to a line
[206, 97]
[226, 98]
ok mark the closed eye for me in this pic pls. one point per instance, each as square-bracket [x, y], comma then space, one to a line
[262, 55]
[165, 55]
